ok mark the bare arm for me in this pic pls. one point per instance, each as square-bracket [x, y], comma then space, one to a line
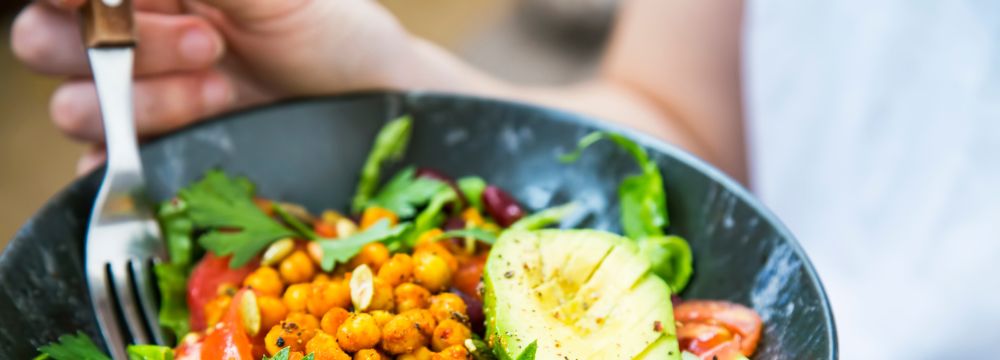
[671, 70]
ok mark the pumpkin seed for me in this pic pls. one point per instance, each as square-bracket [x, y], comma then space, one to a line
[346, 227]
[315, 252]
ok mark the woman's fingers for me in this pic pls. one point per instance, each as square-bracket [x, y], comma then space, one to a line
[48, 41]
[92, 158]
[161, 6]
[162, 103]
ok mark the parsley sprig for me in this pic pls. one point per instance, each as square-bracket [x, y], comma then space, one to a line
[338, 251]
[236, 226]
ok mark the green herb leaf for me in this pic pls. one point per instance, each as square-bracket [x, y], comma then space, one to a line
[149, 352]
[432, 216]
[74, 347]
[237, 226]
[475, 233]
[284, 353]
[405, 192]
[341, 250]
[172, 282]
[294, 222]
[390, 144]
[472, 188]
[529, 352]
[643, 200]
[479, 349]
[671, 259]
[544, 218]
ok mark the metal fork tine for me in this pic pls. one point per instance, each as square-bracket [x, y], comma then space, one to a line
[142, 271]
[104, 309]
[121, 278]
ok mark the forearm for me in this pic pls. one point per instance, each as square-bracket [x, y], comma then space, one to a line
[601, 96]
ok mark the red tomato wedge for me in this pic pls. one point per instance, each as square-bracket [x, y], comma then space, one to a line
[189, 350]
[468, 275]
[716, 328]
[228, 340]
[203, 285]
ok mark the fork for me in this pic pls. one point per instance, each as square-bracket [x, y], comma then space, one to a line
[123, 239]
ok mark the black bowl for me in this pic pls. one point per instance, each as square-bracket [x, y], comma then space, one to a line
[310, 151]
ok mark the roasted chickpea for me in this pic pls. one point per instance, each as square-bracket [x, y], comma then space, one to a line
[374, 255]
[265, 281]
[295, 355]
[401, 335]
[374, 214]
[423, 319]
[398, 270]
[333, 319]
[472, 216]
[321, 279]
[382, 296]
[358, 332]
[272, 311]
[448, 306]
[411, 296]
[297, 268]
[421, 354]
[303, 320]
[327, 296]
[454, 352]
[431, 271]
[215, 308]
[324, 346]
[437, 248]
[367, 354]
[282, 336]
[381, 317]
[296, 296]
[449, 333]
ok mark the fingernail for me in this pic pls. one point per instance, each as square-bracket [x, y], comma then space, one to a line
[217, 94]
[199, 45]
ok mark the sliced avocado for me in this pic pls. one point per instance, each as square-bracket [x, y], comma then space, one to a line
[579, 294]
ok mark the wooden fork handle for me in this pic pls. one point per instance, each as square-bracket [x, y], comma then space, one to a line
[108, 23]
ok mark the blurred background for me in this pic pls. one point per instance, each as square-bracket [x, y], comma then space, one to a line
[531, 41]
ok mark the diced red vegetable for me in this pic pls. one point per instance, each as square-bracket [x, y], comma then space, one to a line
[203, 285]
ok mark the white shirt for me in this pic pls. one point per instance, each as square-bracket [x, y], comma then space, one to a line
[874, 131]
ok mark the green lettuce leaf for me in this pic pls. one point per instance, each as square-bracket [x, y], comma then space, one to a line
[390, 145]
[671, 259]
[476, 233]
[172, 282]
[643, 200]
[149, 352]
[472, 188]
[544, 218]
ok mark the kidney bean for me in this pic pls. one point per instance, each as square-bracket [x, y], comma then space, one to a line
[474, 308]
[501, 206]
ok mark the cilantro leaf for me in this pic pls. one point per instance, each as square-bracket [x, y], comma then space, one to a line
[472, 188]
[73, 347]
[149, 352]
[475, 233]
[405, 192]
[544, 218]
[284, 354]
[643, 200]
[390, 143]
[343, 249]
[237, 226]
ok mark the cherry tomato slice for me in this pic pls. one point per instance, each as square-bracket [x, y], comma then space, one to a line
[189, 350]
[742, 321]
[470, 271]
[203, 285]
[228, 340]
